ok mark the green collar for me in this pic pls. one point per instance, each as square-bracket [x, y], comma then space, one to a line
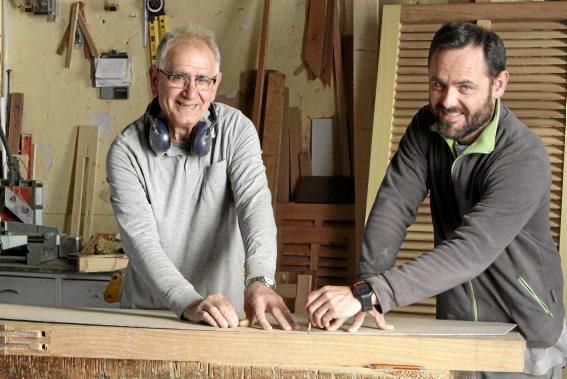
[484, 143]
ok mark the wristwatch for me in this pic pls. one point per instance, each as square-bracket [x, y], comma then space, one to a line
[363, 292]
[268, 282]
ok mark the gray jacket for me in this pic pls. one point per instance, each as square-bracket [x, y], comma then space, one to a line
[192, 226]
[494, 257]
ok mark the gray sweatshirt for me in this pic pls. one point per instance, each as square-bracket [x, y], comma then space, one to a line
[191, 226]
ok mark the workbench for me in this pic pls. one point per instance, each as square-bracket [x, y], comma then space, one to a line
[64, 342]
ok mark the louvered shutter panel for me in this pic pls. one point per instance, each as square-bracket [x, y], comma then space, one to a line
[536, 52]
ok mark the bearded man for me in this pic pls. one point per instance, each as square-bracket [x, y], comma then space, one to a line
[489, 179]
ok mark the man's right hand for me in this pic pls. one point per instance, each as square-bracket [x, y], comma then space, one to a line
[215, 310]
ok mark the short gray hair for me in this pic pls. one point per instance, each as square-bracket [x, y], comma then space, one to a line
[187, 34]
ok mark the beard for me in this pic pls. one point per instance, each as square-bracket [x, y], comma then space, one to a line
[473, 121]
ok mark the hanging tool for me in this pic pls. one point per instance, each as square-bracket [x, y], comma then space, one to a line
[157, 22]
[77, 16]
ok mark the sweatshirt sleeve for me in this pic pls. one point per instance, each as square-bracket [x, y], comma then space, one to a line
[139, 232]
[253, 201]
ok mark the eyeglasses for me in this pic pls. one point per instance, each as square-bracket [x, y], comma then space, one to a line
[182, 81]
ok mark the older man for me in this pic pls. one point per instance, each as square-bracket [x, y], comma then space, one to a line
[489, 180]
[190, 195]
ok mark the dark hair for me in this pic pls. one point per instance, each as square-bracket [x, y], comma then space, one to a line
[456, 35]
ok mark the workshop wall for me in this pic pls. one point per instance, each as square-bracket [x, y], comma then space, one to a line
[57, 99]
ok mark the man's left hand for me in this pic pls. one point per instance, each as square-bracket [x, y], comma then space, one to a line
[259, 300]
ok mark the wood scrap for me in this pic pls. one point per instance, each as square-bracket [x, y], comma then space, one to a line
[284, 170]
[103, 253]
[27, 149]
[341, 125]
[273, 129]
[260, 74]
[16, 111]
[313, 50]
[85, 180]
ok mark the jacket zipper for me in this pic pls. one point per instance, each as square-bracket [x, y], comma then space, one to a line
[474, 305]
[534, 295]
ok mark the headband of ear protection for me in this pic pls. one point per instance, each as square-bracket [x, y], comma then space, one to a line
[199, 138]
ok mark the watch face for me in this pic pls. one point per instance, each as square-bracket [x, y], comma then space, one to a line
[362, 288]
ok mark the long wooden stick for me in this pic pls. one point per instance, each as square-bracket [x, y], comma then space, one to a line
[259, 88]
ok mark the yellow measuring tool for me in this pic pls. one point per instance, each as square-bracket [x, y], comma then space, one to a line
[158, 28]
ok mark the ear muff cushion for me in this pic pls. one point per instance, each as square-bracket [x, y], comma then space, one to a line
[159, 136]
[201, 139]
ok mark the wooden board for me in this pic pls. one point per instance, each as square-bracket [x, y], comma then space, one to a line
[342, 124]
[273, 121]
[85, 180]
[284, 170]
[192, 342]
[315, 35]
[260, 73]
[16, 111]
[366, 30]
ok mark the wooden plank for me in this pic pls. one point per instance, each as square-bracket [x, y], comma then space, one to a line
[273, 129]
[314, 41]
[339, 85]
[294, 120]
[532, 11]
[260, 73]
[366, 39]
[384, 107]
[284, 170]
[327, 63]
[322, 212]
[71, 36]
[16, 113]
[86, 159]
[182, 341]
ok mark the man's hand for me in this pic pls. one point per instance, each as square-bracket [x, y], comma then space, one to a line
[215, 310]
[329, 307]
[259, 299]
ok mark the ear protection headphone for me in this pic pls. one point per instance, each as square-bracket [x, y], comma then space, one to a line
[200, 137]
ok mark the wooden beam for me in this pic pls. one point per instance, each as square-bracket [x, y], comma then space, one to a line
[366, 39]
[159, 335]
[342, 124]
[273, 129]
[284, 170]
[259, 85]
[315, 40]
[531, 11]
